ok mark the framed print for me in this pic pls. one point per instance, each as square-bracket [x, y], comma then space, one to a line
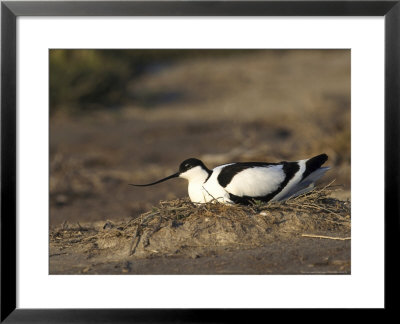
[280, 119]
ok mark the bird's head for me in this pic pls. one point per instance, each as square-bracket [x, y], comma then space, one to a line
[193, 170]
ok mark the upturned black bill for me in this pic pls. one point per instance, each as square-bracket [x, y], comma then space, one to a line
[153, 183]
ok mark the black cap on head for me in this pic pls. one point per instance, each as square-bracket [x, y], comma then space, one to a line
[191, 163]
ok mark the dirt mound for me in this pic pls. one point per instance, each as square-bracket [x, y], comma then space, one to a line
[178, 228]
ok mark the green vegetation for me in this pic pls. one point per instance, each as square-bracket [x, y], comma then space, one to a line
[86, 79]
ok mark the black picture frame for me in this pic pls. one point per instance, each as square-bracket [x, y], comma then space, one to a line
[10, 10]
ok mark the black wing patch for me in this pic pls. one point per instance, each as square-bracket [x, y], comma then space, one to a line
[314, 164]
[228, 172]
[290, 169]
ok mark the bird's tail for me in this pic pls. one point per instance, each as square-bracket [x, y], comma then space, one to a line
[306, 185]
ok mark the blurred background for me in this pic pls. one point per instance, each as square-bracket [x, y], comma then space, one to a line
[132, 116]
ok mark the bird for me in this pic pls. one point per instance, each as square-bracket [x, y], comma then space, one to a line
[246, 183]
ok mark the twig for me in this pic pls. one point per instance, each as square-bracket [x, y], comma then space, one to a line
[326, 237]
[136, 238]
[213, 198]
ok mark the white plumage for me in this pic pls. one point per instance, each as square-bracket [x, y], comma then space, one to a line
[256, 182]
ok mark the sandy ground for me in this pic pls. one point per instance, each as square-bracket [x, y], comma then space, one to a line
[295, 256]
[267, 106]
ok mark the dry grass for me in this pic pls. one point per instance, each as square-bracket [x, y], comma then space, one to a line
[316, 204]
[179, 223]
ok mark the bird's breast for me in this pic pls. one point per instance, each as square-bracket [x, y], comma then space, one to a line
[207, 191]
[196, 192]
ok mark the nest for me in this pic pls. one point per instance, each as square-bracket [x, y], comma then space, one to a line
[181, 228]
[215, 224]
